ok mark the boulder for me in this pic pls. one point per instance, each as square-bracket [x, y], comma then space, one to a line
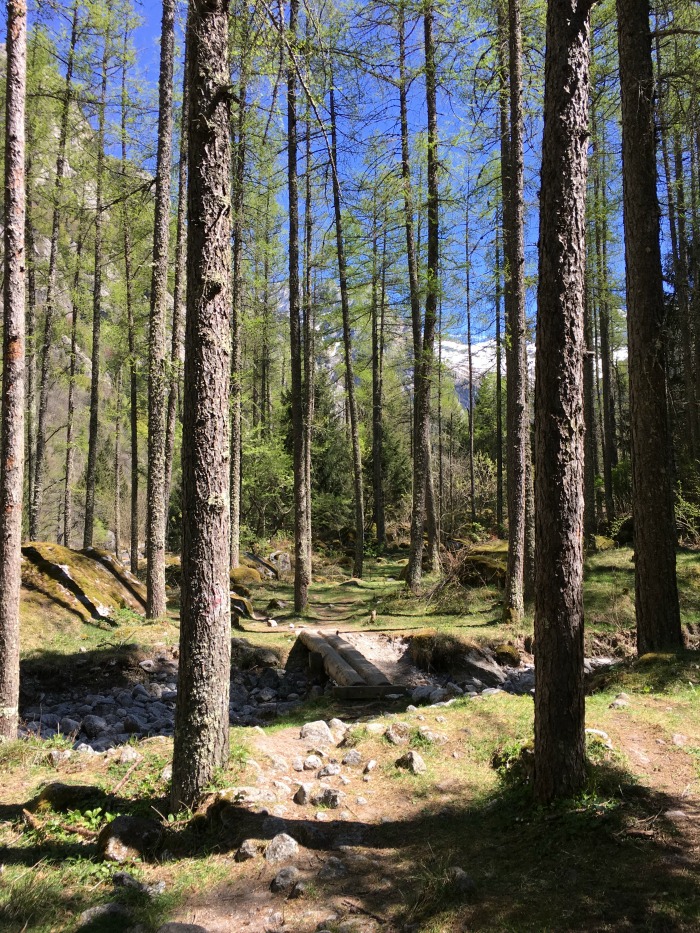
[58, 796]
[285, 879]
[317, 733]
[129, 837]
[487, 671]
[412, 762]
[281, 848]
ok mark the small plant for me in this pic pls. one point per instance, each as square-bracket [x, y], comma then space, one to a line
[515, 763]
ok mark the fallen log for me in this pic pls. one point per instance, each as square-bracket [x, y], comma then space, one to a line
[336, 668]
[369, 673]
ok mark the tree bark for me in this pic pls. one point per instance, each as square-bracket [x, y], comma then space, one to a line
[499, 395]
[90, 478]
[202, 716]
[656, 591]
[40, 449]
[590, 459]
[117, 466]
[131, 336]
[377, 310]
[156, 506]
[516, 362]
[472, 485]
[421, 451]
[302, 572]
[13, 375]
[73, 370]
[559, 693]
[347, 348]
[309, 337]
[239, 163]
[178, 295]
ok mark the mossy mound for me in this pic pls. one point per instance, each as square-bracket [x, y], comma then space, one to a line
[479, 570]
[507, 654]
[431, 650]
[248, 576]
[60, 585]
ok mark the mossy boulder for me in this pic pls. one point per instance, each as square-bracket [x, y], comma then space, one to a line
[61, 797]
[248, 576]
[240, 590]
[507, 654]
[480, 570]
[601, 543]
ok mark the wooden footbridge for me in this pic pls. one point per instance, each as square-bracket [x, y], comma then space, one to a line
[355, 676]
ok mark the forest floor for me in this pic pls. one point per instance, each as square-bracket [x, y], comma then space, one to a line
[458, 846]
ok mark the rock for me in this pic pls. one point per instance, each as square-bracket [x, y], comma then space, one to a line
[490, 692]
[332, 870]
[298, 763]
[460, 880]
[167, 773]
[248, 849]
[438, 695]
[299, 890]
[507, 655]
[279, 763]
[398, 733]
[282, 848]
[675, 814]
[370, 766]
[60, 796]
[352, 758]
[129, 837]
[327, 797]
[285, 879]
[68, 726]
[317, 733]
[271, 623]
[600, 736]
[106, 912]
[422, 694]
[312, 763]
[680, 740]
[329, 770]
[322, 816]
[488, 672]
[303, 794]
[361, 801]
[122, 879]
[129, 755]
[276, 604]
[433, 738]
[619, 703]
[93, 726]
[412, 762]
[56, 756]
[375, 728]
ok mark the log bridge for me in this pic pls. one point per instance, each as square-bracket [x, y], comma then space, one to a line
[355, 676]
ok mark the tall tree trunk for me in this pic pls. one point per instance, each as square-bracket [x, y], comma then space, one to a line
[602, 296]
[202, 716]
[347, 348]
[302, 571]
[12, 439]
[309, 335]
[516, 363]
[239, 163]
[156, 506]
[178, 295]
[131, 335]
[499, 394]
[91, 471]
[656, 591]
[44, 387]
[31, 335]
[73, 371]
[472, 484]
[590, 465]
[560, 751]
[377, 310]
[421, 454]
[117, 467]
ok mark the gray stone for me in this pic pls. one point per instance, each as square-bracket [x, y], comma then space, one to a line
[438, 695]
[93, 726]
[129, 837]
[282, 848]
[249, 849]
[122, 879]
[370, 766]
[352, 758]
[490, 692]
[329, 770]
[317, 733]
[333, 870]
[298, 763]
[312, 762]
[303, 794]
[412, 762]
[488, 672]
[102, 912]
[398, 733]
[285, 879]
[327, 797]
[460, 880]
[422, 694]
[299, 890]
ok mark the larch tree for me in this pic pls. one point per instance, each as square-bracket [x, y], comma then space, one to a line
[302, 569]
[202, 715]
[91, 470]
[12, 429]
[157, 376]
[559, 693]
[656, 589]
[425, 363]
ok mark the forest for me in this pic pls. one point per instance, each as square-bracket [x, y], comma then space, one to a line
[349, 445]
